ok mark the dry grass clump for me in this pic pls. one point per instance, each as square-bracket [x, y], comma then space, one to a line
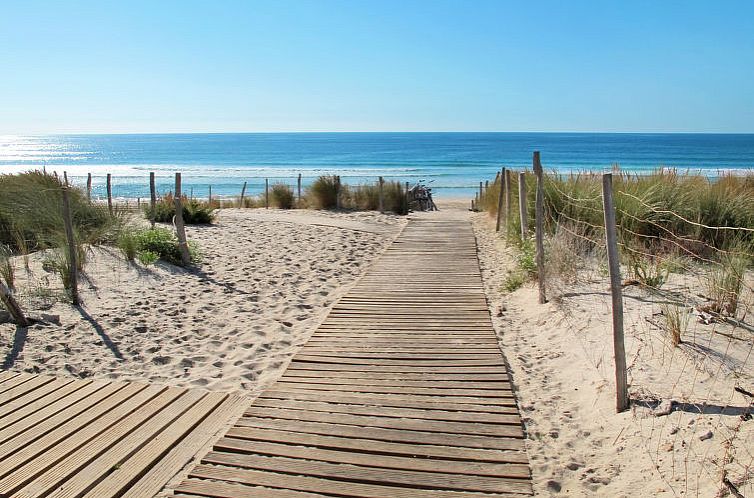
[282, 196]
[676, 322]
[195, 212]
[323, 193]
[724, 284]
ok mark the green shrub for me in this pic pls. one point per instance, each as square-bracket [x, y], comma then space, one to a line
[164, 244]
[282, 196]
[147, 257]
[323, 193]
[195, 212]
[128, 245]
[514, 280]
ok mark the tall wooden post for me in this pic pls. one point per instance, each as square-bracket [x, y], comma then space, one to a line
[89, 186]
[337, 192]
[243, 193]
[73, 269]
[613, 259]
[508, 206]
[522, 205]
[539, 217]
[381, 200]
[267, 193]
[180, 229]
[408, 200]
[500, 195]
[209, 200]
[110, 193]
[299, 190]
[152, 197]
[481, 193]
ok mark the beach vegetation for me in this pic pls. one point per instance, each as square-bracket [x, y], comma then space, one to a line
[7, 269]
[195, 211]
[725, 282]
[163, 243]
[676, 322]
[323, 192]
[31, 213]
[282, 196]
[128, 244]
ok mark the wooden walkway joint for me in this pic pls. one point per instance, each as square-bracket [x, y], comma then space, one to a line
[402, 392]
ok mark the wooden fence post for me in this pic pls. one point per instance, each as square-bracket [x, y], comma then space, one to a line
[152, 197]
[408, 199]
[180, 229]
[110, 193]
[6, 296]
[613, 259]
[243, 193]
[299, 190]
[481, 193]
[508, 207]
[73, 268]
[381, 195]
[89, 187]
[500, 194]
[522, 205]
[267, 193]
[539, 218]
[209, 201]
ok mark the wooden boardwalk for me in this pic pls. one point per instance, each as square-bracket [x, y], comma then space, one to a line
[401, 393]
[62, 437]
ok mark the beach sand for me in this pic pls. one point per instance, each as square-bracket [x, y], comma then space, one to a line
[561, 359]
[266, 280]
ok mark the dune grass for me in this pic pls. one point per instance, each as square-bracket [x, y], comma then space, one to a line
[195, 212]
[281, 196]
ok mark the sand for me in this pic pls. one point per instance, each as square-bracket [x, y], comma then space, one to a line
[561, 359]
[266, 280]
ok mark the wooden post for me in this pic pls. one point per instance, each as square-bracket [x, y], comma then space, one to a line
[613, 259]
[209, 200]
[337, 192]
[500, 195]
[65, 177]
[381, 200]
[191, 193]
[110, 193]
[73, 268]
[522, 205]
[138, 202]
[299, 190]
[408, 201]
[508, 207]
[152, 197]
[266, 193]
[6, 296]
[481, 193]
[539, 217]
[243, 193]
[180, 229]
[89, 186]
[472, 204]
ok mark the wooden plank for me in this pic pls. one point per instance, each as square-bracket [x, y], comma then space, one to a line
[15, 381]
[424, 383]
[385, 411]
[312, 484]
[357, 374]
[359, 473]
[286, 385]
[219, 489]
[382, 447]
[48, 395]
[24, 389]
[367, 458]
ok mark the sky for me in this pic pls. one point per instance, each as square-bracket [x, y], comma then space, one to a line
[223, 66]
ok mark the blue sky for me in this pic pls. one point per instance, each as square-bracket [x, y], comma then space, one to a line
[173, 66]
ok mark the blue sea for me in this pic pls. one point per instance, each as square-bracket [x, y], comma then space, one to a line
[451, 163]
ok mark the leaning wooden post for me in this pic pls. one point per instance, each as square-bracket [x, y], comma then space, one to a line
[299, 190]
[110, 193]
[522, 205]
[6, 296]
[152, 198]
[508, 207]
[613, 259]
[73, 268]
[539, 217]
[180, 229]
[500, 194]
[243, 193]
[267, 193]
[381, 198]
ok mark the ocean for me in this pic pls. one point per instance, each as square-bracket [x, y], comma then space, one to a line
[452, 164]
